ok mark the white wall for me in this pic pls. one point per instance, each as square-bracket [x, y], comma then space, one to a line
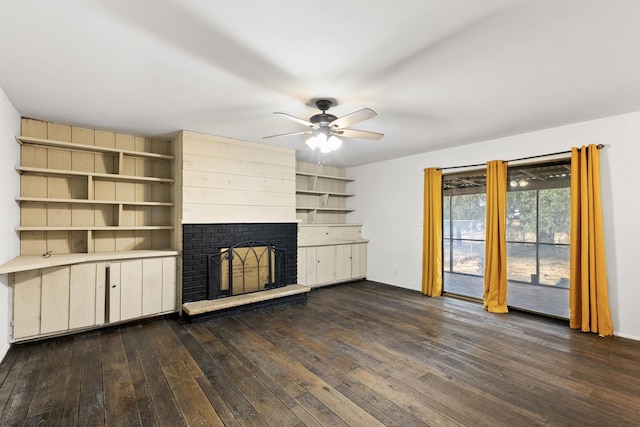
[389, 197]
[10, 212]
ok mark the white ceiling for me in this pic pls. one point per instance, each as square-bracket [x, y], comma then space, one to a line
[439, 73]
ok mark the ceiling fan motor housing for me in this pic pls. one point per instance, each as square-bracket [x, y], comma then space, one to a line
[323, 119]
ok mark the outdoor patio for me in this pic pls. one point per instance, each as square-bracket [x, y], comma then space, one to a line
[548, 300]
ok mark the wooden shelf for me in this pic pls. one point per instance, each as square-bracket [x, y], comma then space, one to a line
[303, 208]
[322, 193]
[96, 228]
[91, 202]
[99, 176]
[315, 175]
[92, 148]
[34, 262]
[332, 243]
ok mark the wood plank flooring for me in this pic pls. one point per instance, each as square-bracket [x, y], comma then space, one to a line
[360, 354]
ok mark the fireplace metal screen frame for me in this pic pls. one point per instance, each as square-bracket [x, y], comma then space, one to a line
[275, 262]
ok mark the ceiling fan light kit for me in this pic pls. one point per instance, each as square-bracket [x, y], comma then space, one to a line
[319, 140]
[327, 128]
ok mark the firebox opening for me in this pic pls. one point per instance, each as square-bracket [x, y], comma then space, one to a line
[245, 267]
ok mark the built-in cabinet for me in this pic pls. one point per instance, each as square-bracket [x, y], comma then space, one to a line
[97, 238]
[59, 299]
[329, 250]
[55, 299]
[322, 265]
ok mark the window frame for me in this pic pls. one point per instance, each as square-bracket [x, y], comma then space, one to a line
[561, 182]
[474, 185]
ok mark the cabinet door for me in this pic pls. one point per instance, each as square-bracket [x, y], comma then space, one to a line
[152, 291]
[54, 314]
[86, 295]
[101, 293]
[359, 260]
[114, 292]
[169, 286]
[343, 262]
[26, 303]
[130, 289]
[326, 264]
[142, 288]
[125, 290]
[302, 266]
[311, 269]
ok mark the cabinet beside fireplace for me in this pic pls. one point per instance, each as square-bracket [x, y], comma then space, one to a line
[69, 293]
[330, 254]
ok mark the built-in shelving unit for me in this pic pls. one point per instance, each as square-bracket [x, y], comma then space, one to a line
[85, 191]
[321, 197]
[96, 230]
[329, 250]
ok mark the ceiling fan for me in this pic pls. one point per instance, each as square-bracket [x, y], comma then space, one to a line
[325, 129]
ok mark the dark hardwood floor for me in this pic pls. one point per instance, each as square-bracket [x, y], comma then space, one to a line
[360, 354]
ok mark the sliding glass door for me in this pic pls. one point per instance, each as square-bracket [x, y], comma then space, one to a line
[538, 213]
[537, 236]
[464, 233]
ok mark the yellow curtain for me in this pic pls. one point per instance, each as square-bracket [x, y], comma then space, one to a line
[495, 258]
[588, 295]
[432, 233]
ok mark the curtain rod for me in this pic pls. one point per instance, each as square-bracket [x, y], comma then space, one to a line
[599, 147]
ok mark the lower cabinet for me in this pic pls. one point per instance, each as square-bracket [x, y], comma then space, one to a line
[54, 300]
[140, 288]
[359, 261]
[322, 265]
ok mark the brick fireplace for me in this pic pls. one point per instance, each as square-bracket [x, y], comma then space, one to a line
[234, 192]
[200, 241]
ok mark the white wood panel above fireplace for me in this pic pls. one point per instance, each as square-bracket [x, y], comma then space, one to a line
[215, 174]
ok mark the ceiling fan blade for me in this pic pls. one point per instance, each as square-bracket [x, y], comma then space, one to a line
[353, 118]
[297, 120]
[307, 132]
[362, 134]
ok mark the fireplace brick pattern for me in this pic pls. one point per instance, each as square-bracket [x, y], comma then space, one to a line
[200, 240]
